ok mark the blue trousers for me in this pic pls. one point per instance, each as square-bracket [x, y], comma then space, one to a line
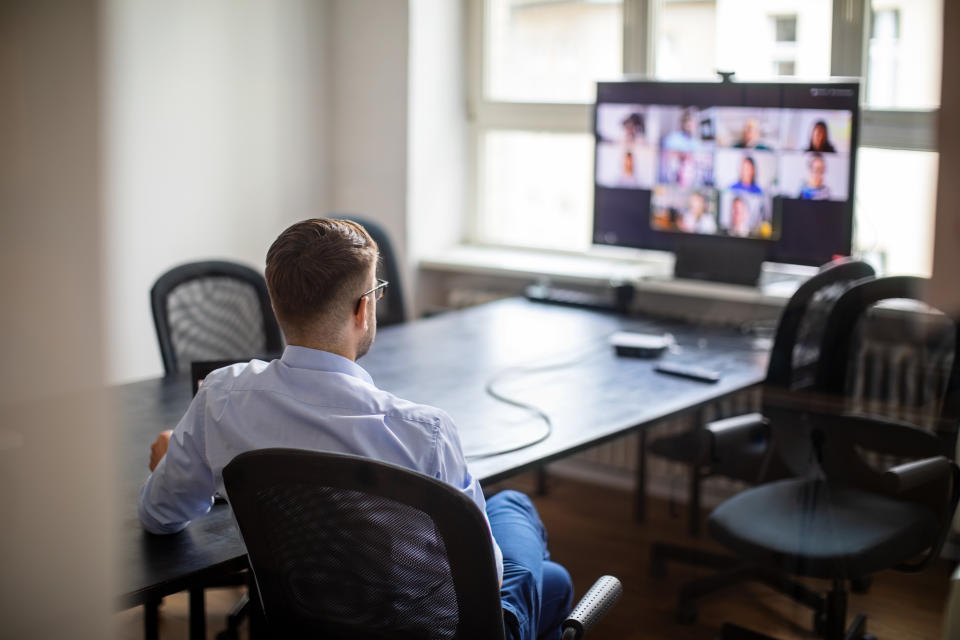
[536, 594]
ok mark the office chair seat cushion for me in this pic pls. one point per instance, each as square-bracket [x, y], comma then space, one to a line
[809, 528]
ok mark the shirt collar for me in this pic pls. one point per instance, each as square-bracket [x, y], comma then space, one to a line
[306, 358]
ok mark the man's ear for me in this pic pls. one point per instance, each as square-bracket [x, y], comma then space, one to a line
[360, 317]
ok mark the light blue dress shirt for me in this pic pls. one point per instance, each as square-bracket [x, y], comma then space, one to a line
[308, 399]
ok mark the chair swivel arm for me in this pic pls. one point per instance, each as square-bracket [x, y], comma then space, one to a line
[912, 475]
[592, 606]
[729, 436]
[917, 474]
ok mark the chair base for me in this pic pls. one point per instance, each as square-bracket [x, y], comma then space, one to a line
[235, 618]
[829, 619]
[247, 607]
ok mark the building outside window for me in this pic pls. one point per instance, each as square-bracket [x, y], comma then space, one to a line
[784, 45]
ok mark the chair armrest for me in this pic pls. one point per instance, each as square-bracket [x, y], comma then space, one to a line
[729, 436]
[592, 606]
[919, 473]
[880, 434]
[912, 475]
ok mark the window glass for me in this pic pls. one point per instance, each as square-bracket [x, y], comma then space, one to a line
[785, 28]
[904, 53]
[536, 189]
[785, 68]
[551, 51]
[537, 192]
[894, 208]
[757, 39]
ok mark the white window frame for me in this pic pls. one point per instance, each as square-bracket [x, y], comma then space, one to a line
[906, 129]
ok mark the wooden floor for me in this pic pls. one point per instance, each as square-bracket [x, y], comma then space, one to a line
[592, 533]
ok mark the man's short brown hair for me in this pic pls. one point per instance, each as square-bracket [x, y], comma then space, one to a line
[319, 267]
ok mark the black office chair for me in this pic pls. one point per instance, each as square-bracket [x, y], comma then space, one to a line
[792, 359]
[212, 310]
[851, 516]
[392, 309]
[750, 458]
[348, 547]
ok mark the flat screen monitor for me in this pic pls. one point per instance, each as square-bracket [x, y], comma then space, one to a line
[765, 169]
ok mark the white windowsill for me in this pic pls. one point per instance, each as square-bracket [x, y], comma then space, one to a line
[648, 271]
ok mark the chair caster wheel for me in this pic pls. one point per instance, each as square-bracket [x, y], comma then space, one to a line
[686, 612]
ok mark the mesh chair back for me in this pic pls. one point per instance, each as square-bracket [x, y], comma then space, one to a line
[212, 310]
[392, 309]
[897, 361]
[901, 364]
[879, 420]
[796, 347]
[343, 546]
[793, 362]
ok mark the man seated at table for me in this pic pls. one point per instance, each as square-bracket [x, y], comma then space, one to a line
[321, 275]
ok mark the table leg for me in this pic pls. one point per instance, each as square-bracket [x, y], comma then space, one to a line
[694, 506]
[640, 491]
[696, 480]
[198, 615]
[151, 620]
[542, 480]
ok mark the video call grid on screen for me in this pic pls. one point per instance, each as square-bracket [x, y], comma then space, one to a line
[770, 163]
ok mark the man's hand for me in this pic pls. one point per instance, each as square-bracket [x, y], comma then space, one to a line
[159, 448]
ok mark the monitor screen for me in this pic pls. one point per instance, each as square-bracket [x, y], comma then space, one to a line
[769, 163]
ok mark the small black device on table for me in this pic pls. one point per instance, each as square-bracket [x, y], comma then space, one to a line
[694, 372]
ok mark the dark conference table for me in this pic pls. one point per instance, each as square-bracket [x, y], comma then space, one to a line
[555, 358]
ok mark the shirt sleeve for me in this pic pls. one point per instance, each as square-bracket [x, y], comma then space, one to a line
[452, 469]
[181, 487]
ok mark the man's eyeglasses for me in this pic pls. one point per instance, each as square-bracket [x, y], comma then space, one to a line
[380, 290]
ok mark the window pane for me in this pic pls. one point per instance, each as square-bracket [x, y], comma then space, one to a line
[536, 189]
[905, 51]
[895, 201]
[785, 28]
[549, 51]
[757, 39]
[785, 68]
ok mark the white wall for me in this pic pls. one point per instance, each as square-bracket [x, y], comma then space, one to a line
[436, 173]
[216, 125]
[56, 438]
[368, 42]
[228, 120]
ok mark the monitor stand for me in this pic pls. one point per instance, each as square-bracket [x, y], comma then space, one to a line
[734, 262]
